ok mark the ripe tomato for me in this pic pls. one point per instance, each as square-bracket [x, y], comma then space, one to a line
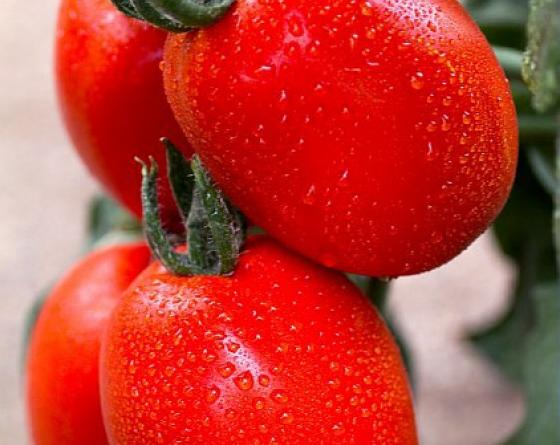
[62, 367]
[111, 95]
[281, 352]
[376, 137]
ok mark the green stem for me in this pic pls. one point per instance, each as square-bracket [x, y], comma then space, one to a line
[175, 15]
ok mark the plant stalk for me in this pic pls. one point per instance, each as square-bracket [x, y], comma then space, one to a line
[556, 220]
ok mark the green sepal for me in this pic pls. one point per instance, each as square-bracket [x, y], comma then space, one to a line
[176, 15]
[215, 230]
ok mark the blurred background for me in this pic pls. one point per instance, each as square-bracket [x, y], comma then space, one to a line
[44, 192]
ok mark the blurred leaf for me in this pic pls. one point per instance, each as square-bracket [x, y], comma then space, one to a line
[108, 222]
[524, 232]
[543, 169]
[541, 67]
[540, 353]
[524, 228]
[510, 59]
[501, 342]
[375, 289]
[31, 318]
[502, 21]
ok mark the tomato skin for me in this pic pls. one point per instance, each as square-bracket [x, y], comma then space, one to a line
[62, 378]
[281, 352]
[376, 137]
[111, 96]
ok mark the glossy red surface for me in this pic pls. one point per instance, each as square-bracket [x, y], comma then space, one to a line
[281, 352]
[374, 136]
[111, 96]
[62, 378]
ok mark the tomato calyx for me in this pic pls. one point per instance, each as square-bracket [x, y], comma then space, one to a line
[175, 15]
[215, 229]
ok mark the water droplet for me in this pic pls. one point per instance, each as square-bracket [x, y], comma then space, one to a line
[338, 429]
[212, 394]
[334, 383]
[244, 381]
[431, 127]
[445, 124]
[286, 418]
[430, 154]
[226, 370]
[417, 81]
[258, 403]
[310, 196]
[366, 8]
[295, 27]
[264, 380]
[233, 347]
[279, 396]
[132, 367]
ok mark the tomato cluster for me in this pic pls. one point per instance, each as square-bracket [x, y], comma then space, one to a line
[373, 137]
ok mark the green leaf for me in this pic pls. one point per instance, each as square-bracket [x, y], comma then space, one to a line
[540, 352]
[541, 67]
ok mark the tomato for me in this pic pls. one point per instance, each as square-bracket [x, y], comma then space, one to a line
[376, 137]
[111, 95]
[62, 364]
[283, 351]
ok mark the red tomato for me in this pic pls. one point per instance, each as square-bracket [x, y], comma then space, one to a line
[374, 136]
[281, 352]
[111, 95]
[62, 367]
